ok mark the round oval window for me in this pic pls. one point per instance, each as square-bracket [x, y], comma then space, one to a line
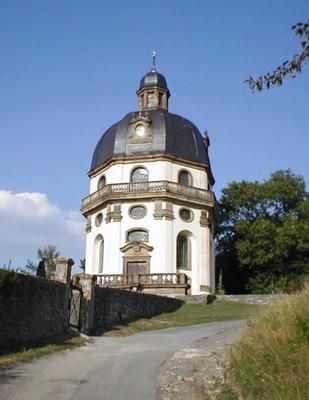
[137, 212]
[98, 219]
[186, 215]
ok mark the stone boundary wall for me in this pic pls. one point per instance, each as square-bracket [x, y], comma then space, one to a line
[253, 298]
[112, 306]
[31, 308]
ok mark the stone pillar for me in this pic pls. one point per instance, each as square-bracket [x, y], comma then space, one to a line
[63, 269]
[88, 284]
[63, 274]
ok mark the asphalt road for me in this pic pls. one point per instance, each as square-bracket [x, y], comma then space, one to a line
[112, 368]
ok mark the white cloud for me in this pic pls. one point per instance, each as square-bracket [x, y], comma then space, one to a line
[29, 221]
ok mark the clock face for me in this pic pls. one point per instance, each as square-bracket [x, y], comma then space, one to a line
[140, 130]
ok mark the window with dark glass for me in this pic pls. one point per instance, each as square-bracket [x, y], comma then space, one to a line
[102, 182]
[101, 256]
[151, 100]
[139, 175]
[98, 253]
[185, 178]
[137, 211]
[183, 251]
[98, 219]
[161, 99]
[138, 235]
[186, 215]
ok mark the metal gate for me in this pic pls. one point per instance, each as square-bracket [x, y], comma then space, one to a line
[75, 306]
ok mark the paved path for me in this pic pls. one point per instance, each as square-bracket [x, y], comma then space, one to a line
[112, 368]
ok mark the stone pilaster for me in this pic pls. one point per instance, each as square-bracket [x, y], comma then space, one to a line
[88, 225]
[205, 221]
[114, 215]
[160, 212]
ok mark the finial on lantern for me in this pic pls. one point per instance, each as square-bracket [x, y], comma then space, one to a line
[154, 56]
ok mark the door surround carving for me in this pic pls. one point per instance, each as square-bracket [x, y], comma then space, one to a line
[136, 252]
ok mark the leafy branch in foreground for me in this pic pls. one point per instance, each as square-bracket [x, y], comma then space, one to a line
[288, 68]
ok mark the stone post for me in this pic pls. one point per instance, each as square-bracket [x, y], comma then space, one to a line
[63, 274]
[88, 284]
[63, 269]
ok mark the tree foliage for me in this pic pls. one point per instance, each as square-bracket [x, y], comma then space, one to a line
[288, 68]
[48, 254]
[30, 267]
[263, 234]
[82, 264]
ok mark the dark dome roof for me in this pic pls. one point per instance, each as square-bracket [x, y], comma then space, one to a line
[171, 134]
[153, 78]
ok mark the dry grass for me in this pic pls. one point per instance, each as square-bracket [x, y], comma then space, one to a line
[271, 360]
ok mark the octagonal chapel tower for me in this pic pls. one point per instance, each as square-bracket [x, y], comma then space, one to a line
[151, 208]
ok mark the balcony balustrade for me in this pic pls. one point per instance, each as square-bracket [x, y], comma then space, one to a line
[146, 189]
[161, 280]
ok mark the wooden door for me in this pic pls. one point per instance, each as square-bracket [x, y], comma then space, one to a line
[134, 269]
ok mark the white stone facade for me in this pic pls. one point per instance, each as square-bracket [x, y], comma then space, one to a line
[162, 233]
[156, 163]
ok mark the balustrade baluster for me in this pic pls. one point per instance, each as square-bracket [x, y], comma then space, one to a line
[152, 187]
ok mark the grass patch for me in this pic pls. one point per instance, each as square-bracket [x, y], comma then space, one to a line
[32, 351]
[187, 314]
[271, 360]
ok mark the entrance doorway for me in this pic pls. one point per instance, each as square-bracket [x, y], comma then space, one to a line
[136, 260]
[134, 268]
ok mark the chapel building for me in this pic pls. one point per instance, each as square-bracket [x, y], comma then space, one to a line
[151, 207]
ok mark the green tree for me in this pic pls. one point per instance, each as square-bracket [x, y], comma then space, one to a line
[48, 254]
[288, 68]
[263, 234]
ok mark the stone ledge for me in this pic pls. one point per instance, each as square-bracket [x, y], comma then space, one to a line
[253, 298]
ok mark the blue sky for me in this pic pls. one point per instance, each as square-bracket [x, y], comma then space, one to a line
[70, 69]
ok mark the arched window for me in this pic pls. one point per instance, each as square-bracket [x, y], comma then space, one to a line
[102, 182]
[140, 235]
[185, 178]
[184, 251]
[139, 174]
[98, 254]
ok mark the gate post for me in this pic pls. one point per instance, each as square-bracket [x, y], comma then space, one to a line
[88, 284]
[63, 274]
[63, 269]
